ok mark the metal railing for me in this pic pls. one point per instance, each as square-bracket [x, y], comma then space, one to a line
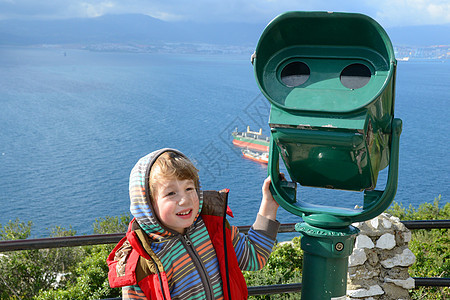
[87, 240]
[73, 241]
[98, 239]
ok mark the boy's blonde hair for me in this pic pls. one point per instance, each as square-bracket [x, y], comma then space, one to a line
[172, 165]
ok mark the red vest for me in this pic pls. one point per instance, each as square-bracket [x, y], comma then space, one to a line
[154, 283]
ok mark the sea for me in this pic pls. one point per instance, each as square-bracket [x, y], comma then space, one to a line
[74, 122]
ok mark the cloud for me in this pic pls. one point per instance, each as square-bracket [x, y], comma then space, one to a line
[388, 12]
[96, 9]
[413, 12]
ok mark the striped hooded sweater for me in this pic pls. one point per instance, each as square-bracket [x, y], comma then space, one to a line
[189, 260]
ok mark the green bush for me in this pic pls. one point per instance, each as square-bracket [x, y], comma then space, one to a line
[60, 273]
[25, 273]
[108, 224]
[283, 266]
[89, 279]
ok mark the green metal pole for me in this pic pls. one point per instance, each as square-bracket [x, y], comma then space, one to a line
[325, 261]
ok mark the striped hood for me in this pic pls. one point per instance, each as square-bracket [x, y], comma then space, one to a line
[140, 204]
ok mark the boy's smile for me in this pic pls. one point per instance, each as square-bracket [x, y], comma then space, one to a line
[175, 202]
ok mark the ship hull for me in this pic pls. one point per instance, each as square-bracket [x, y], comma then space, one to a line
[260, 159]
[250, 145]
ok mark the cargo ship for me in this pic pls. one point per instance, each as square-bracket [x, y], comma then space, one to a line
[251, 140]
[261, 157]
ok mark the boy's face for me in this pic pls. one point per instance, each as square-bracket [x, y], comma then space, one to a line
[175, 202]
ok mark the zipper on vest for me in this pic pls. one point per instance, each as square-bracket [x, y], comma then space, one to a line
[200, 267]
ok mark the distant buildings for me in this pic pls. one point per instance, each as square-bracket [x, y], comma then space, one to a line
[438, 52]
[402, 53]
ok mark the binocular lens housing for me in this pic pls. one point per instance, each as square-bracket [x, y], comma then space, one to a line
[330, 80]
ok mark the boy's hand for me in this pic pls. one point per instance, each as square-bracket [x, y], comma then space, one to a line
[268, 206]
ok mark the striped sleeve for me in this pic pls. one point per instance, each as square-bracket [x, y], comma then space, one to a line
[253, 250]
[133, 292]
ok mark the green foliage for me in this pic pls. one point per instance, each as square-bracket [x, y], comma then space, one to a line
[426, 211]
[112, 224]
[431, 247]
[58, 231]
[60, 273]
[283, 266]
[15, 230]
[89, 280]
[25, 273]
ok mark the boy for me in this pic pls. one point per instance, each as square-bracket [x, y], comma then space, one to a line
[179, 245]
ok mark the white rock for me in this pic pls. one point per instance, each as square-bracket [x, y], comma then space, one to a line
[406, 236]
[386, 241]
[374, 222]
[387, 224]
[395, 219]
[356, 224]
[363, 293]
[406, 283]
[363, 241]
[404, 259]
[357, 258]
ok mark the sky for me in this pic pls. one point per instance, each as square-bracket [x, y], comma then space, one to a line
[389, 13]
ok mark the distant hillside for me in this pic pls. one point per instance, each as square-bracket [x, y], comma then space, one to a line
[123, 29]
[420, 35]
[144, 29]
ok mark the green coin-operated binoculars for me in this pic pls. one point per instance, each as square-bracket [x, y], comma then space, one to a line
[329, 78]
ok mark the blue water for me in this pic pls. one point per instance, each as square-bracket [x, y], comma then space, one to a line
[72, 127]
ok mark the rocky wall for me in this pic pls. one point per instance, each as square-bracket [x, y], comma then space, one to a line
[378, 266]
